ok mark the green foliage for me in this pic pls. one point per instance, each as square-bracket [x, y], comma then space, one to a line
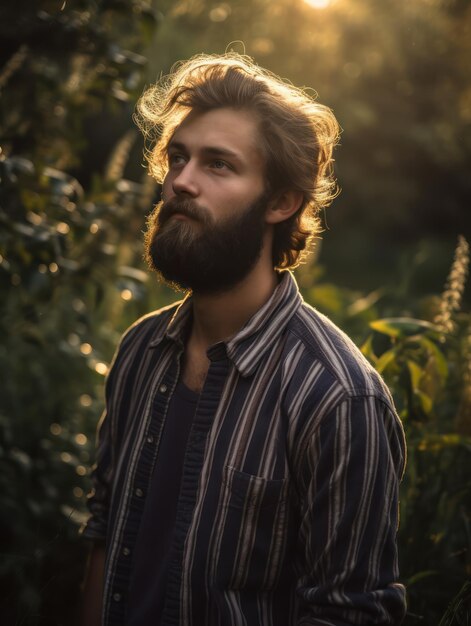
[427, 373]
[57, 254]
[66, 289]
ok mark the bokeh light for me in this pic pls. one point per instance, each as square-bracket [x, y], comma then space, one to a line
[101, 368]
[85, 400]
[81, 439]
[55, 429]
[318, 4]
[78, 493]
[63, 228]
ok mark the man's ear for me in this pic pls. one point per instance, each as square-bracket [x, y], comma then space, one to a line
[283, 206]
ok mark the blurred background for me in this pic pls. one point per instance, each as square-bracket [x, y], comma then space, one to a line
[391, 268]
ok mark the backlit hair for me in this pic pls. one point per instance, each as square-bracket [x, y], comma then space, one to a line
[297, 134]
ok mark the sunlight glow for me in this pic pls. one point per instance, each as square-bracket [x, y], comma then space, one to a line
[318, 4]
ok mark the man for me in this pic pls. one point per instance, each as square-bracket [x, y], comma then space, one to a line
[249, 457]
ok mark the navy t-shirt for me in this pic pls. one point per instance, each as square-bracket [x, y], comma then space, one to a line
[149, 572]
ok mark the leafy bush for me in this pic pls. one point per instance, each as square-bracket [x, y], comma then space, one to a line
[428, 366]
[66, 288]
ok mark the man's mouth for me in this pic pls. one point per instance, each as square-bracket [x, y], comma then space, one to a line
[181, 216]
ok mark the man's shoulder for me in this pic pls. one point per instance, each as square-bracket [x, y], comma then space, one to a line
[325, 345]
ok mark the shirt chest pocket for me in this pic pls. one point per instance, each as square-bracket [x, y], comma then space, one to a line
[246, 491]
[251, 531]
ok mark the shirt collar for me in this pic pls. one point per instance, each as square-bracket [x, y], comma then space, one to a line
[247, 347]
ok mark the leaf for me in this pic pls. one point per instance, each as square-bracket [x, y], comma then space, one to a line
[402, 326]
[439, 358]
[134, 273]
[328, 298]
[21, 458]
[425, 401]
[416, 374]
[362, 304]
[74, 515]
[384, 360]
[420, 576]
[367, 350]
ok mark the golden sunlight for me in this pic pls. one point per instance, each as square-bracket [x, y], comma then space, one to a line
[318, 4]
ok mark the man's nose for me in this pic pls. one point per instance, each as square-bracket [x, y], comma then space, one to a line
[186, 181]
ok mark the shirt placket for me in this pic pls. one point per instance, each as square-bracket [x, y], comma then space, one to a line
[178, 592]
[116, 593]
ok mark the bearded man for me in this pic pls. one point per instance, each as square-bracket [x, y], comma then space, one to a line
[249, 457]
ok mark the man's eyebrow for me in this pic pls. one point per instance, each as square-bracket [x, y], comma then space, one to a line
[176, 145]
[210, 150]
[219, 151]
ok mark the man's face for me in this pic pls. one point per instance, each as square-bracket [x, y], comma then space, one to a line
[208, 233]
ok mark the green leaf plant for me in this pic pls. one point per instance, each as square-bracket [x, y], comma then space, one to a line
[427, 365]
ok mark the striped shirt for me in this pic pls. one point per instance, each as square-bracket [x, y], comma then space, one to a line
[288, 506]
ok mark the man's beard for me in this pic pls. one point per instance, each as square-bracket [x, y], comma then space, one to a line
[200, 254]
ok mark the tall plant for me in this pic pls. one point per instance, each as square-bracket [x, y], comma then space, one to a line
[427, 365]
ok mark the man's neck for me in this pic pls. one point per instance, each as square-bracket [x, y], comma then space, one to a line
[218, 317]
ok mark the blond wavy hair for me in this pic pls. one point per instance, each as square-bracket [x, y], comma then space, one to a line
[297, 135]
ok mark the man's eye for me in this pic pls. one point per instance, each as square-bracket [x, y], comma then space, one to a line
[220, 165]
[176, 159]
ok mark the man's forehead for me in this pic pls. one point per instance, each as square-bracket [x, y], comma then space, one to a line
[223, 130]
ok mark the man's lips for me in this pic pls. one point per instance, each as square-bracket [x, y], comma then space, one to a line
[181, 216]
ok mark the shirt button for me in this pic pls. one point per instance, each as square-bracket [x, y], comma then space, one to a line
[126, 551]
[116, 597]
[139, 493]
[150, 439]
[163, 388]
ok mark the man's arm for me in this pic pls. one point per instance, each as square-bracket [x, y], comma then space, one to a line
[96, 527]
[351, 474]
[92, 602]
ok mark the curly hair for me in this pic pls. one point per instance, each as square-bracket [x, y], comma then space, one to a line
[297, 134]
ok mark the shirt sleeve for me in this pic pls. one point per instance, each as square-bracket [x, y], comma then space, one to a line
[99, 499]
[103, 471]
[351, 474]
